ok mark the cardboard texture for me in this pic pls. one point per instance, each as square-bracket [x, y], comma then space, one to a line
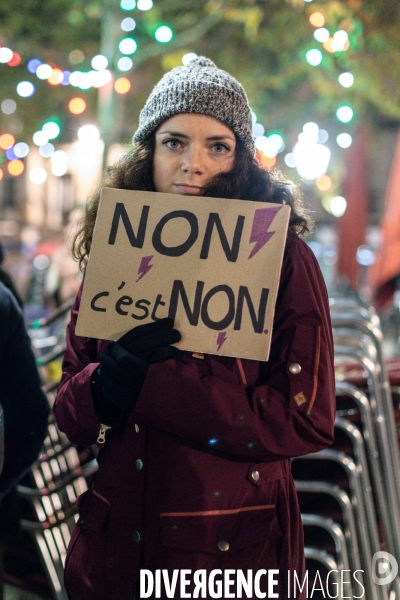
[210, 263]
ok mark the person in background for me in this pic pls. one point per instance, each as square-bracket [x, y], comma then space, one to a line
[164, 497]
[6, 279]
[24, 411]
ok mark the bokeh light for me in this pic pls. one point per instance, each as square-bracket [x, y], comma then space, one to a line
[321, 34]
[277, 140]
[15, 60]
[56, 77]
[317, 19]
[38, 175]
[340, 41]
[122, 85]
[51, 129]
[66, 76]
[127, 4]
[99, 78]
[341, 36]
[59, 169]
[125, 63]
[346, 79]
[163, 34]
[47, 150]
[186, 58]
[77, 106]
[6, 54]
[312, 159]
[290, 160]
[338, 206]
[323, 136]
[10, 154]
[88, 133]
[33, 64]
[145, 4]
[328, 45]
[128, 24]
[127, 46]
[25, 89]
[99, 62]
[15, 167]
[40, 138]
[76, 57]
[344, 114]
[344, 140]
[258, 129]
[6, 141]
[1, 174]
[323, 183]
[263, 144]
[44, 71]
[8, 106]
[310, 132]
[21, 149]
[314, 57]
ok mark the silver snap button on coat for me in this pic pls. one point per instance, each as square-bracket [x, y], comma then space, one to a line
[136, 536]
[138, 464]
[255, 475]
[295, 368]
[223, 545]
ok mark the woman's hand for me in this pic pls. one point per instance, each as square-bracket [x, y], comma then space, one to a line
[123, 367]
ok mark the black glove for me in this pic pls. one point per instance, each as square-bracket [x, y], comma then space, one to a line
[123, 367]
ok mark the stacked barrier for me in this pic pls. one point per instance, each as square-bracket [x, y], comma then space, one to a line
[356, 481]
[349, 494]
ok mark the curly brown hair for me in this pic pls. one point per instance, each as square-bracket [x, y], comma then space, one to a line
[247, 180]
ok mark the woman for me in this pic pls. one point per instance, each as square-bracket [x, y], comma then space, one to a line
[164, 497]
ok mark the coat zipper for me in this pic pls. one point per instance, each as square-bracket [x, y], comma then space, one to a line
[102, 433]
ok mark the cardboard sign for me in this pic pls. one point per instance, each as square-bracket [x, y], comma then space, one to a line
[211, 264]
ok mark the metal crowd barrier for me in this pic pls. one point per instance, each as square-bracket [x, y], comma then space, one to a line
[358, 340]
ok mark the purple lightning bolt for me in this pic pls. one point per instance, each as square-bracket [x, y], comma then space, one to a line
[144, 266]
[221, 339]
[263, 218]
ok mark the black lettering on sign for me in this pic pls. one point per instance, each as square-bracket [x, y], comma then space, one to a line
[139, 304]
[125, 301]
[182, 248]
[178, 289]
[231, 253]
[257, 321]
[227, 320]
[157, 303]
[121, 214]
[93, 304]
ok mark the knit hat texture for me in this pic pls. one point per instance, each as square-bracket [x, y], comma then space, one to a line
[198, 87]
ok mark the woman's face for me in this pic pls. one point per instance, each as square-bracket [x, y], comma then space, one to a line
[190, 150]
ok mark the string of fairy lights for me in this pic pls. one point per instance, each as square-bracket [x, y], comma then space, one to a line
[14, 151]
[310, 154]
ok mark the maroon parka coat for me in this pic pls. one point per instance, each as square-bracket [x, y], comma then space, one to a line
[198, 476]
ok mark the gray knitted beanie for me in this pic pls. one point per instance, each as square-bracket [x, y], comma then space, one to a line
[198, 87]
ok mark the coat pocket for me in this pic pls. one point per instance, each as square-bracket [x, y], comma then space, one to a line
[219, 531]
[85, 565]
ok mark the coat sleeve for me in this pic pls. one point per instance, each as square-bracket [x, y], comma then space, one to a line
[74, 407]
[286, 410]
[25, 405]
